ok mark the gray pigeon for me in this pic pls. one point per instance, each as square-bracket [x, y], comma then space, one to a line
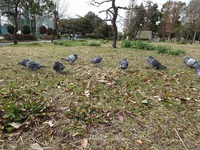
[197, 70]
[96, 60]
[155, 64]
[58, 66]
[123, 64]
[32, 65]
[190, 62]
[71, 58]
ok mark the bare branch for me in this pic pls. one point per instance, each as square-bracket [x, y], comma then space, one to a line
[97, 4]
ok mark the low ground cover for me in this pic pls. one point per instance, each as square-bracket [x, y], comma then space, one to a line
[98, 106]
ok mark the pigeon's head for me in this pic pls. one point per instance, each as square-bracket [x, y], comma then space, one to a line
[23, 62]
[186, 58]
[149, 58]
[76, 56]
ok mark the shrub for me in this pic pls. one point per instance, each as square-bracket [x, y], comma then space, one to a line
[162, 49]
[182, 42]
[26, 30]
[49, 31]
[10, 29]
[126, 44]
[142, 45]
[42, 29]
[22, 37]
[94, 44]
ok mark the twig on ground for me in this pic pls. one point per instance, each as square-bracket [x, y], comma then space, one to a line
[180, 138]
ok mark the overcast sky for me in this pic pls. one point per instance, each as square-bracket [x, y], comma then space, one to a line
[82, 7]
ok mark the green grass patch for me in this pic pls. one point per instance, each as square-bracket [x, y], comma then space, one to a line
[147, 46]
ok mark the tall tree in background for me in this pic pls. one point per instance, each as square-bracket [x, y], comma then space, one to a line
[135, 18]
[10, 8]
[171, 18]
[57, 10]
[192, 18]
[152, 16]
[112, 14]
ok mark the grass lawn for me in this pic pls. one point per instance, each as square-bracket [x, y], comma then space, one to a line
[98, 106]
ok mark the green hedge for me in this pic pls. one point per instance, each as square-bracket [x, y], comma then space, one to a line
[21, 37]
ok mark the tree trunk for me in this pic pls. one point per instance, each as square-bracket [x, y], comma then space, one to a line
[15, 31]
[54, 30]
[169, 37]
[114, 44]
[194, 37]
[16, 23]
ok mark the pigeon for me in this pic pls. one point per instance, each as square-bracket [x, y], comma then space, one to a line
[71, 58]
[190, 62]
[96, 60]
[123, 64]
[155, 64]
[58, 66]
[197, 70]
[32, 65]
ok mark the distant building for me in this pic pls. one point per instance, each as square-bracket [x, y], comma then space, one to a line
[37, 22]
[144, 35]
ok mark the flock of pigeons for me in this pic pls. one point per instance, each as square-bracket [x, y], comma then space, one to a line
[153, 63]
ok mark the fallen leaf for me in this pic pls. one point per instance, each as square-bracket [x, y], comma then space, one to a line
[15, 125]
[50, 123]
[36, 146]
[87, 93]
[121, 118]
[84, 143]
[138, 141]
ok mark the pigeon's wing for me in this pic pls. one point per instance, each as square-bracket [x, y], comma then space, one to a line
[71, 58]
[32, 65]
[191, 63]
[155, 64]
[96, 60]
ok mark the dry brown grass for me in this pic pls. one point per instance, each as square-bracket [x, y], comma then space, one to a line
[102, 103]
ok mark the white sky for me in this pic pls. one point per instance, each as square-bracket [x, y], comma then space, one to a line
[82, 7]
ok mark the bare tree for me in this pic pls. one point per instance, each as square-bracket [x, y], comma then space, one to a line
[111, 15]
[193, 17]
[58, 11]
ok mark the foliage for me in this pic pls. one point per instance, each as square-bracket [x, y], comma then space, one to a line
[126, 44]
[94, 44]
[71, 43]
[26, 30]
[42, 29]
[10, 29]
[142, 45]
[20, 37]
[146, 46]
[49, 31]
[182, 42]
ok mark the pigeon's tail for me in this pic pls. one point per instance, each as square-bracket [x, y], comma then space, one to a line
[43, 66]
[163, 67]
[63, 58]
